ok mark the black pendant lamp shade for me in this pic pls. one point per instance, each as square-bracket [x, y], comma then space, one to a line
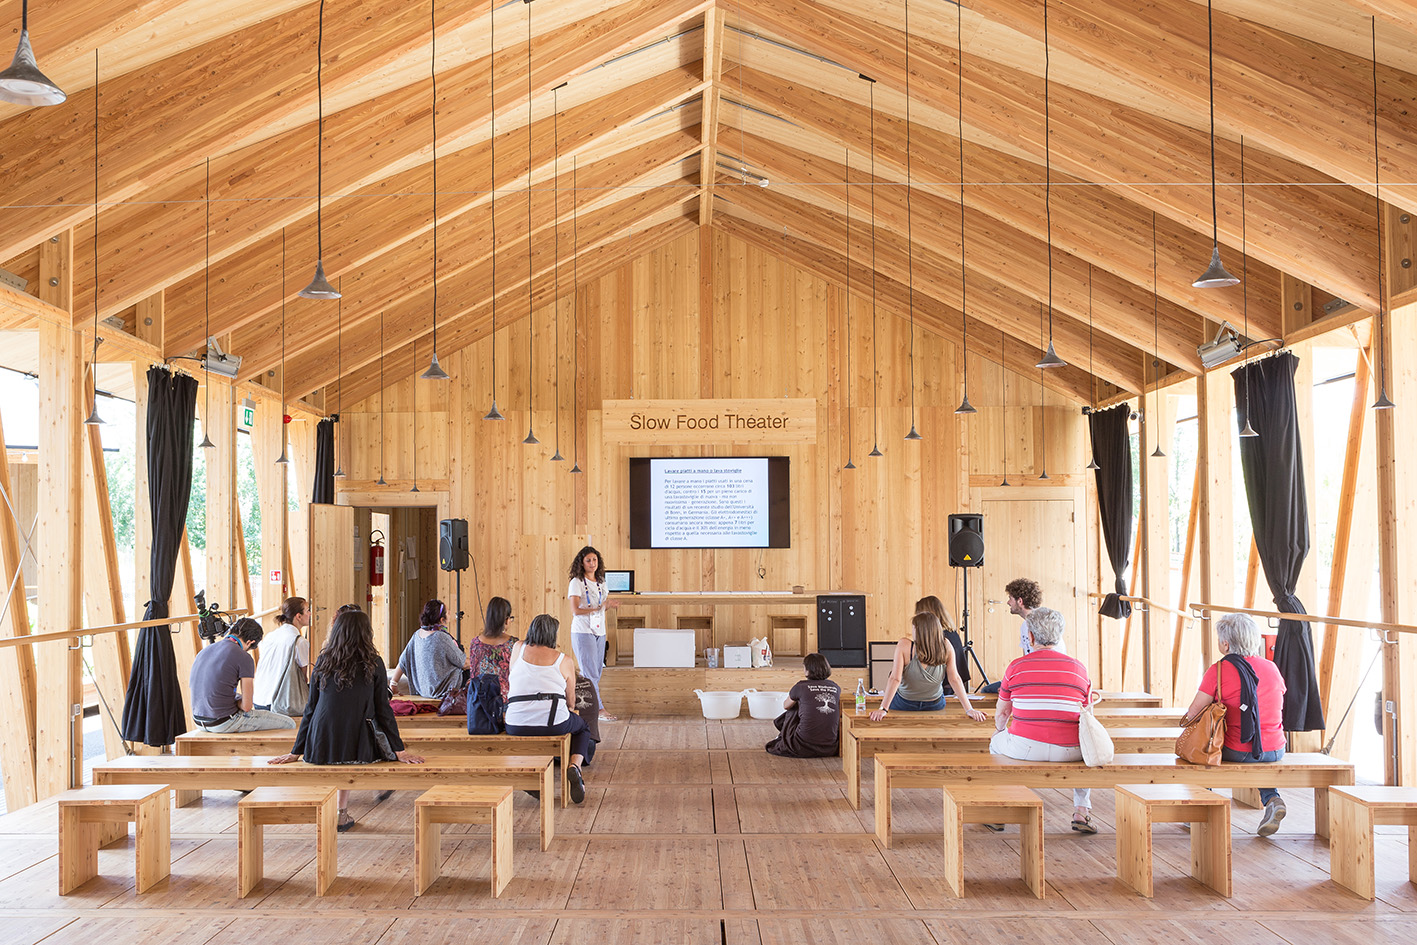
[319, 287]
[23, 83]
[1215, 275]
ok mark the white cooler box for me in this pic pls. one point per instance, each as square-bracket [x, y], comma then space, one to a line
[656, 647]
[738, 657]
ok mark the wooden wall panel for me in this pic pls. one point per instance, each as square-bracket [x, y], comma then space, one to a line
[672, 324]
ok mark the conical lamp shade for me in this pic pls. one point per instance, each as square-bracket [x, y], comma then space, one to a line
[849, 465]
[1044, 475]
[576, 467]
[380, 481]
[339, 473]
[415, 488]
[1158, 453]
[494, 413]
[1050, 358]
[531, 439]
[913, 434]
[965, 406]
[875, 451]
[281, 460]
[1092, 464]
[1249, 430]
[435, 371]
[23, 83]
[319, 287]
[1215, 276]
[94, 419]
[1383, 403]
[1006, 482]
[557, 457]
[207, 444]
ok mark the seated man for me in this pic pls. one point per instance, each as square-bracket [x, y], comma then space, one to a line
[223, 680]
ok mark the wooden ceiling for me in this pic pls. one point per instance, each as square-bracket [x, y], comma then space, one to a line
[672, 112]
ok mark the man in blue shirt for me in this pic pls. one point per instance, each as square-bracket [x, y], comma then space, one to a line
[223, 680]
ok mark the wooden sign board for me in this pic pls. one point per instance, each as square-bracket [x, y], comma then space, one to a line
[706, 422]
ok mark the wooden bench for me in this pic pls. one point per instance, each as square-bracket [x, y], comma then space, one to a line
[1141, 805]
[230, 773]
[965, 804]
[461, 805]
[440, 745]
[954, 717]
[83, 815]
[870, 742]
[284, 805]
[911, 770]
[1353, 813]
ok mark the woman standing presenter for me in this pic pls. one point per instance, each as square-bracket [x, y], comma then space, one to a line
[589, 599]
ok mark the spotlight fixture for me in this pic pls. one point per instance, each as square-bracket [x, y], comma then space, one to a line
[1215, 275]
[319, 287]
[1224, 346]
[23, 83]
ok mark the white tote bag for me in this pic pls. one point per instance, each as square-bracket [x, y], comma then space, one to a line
[1093, 739]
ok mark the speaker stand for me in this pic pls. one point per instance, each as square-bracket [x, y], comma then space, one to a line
[964, 632]
[457, 582]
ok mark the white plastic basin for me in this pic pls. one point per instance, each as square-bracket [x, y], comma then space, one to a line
[719, 704]
[764, 705]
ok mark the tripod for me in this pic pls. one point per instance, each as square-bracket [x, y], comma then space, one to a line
[964, 633]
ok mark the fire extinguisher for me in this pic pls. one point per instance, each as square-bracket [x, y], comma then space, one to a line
[376, 558]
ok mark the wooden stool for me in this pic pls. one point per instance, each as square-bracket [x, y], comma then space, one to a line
[1353, 813]
[85, 812]
[967, 804]
[1141, 805]
[461, 805]
[285, 805]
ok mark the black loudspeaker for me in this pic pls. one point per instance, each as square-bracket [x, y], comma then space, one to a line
[966, 540]
[841, 629]
[452, 544]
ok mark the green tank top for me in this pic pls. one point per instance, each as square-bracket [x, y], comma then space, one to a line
[921, 683]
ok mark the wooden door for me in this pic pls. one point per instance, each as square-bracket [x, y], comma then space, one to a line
[1038, 538]
[332, 554]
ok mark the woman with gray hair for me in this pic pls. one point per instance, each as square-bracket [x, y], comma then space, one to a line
[1253, 695]
[1040, 697]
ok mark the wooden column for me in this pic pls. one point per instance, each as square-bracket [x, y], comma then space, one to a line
[58, 669]
[16, 662]
[271, 487]
[1155, 525]
[1215, 401]
[221, 494]
[103, 594]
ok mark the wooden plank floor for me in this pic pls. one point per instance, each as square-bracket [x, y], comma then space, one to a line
[691, 833]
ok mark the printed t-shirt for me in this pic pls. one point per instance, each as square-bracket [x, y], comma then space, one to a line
[818, 711]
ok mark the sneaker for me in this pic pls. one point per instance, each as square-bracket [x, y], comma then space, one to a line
[577, 784]
[1274, 812]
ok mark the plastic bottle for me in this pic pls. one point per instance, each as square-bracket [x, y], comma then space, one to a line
[860, 696]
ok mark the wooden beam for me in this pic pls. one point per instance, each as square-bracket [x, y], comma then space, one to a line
[271, 489]
[103, 592]
[1157, 430]
[186, 643]
[17, 684]
[1186, 656]
[220, 428]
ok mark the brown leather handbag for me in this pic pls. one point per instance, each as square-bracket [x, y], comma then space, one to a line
[1201, 740]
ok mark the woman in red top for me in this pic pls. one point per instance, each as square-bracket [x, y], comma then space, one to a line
[1239, 637]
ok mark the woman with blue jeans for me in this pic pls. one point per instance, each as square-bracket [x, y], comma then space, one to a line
[923, 661]
[1252, 691]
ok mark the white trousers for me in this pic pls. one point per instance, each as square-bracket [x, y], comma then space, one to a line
[1027, 749]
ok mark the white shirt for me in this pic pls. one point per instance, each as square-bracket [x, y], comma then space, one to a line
[528, 679]
[592, 594]
[275, 650]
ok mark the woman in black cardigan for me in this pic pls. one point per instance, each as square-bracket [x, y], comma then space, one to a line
[349, 700]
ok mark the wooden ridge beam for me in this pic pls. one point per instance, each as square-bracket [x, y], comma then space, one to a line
[708, 123]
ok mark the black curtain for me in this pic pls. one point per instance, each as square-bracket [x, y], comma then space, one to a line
[1273, 465]
[324, 463]
[1112, 450]
[152, 710]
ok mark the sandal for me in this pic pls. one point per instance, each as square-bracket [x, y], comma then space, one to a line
[345, 822]
[1084, 825]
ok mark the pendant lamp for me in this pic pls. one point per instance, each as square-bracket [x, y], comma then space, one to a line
[1215, 275]
[556, 457]
[339, 377]
[413, 421]
[435, 370]
[909, 228]
[494, 413]
[1050, 357]
[965, 407]
[1157, 453]
[282, 459]
[1248, 430]
[850, 379]
[575, 322]
[93, 418]
[875, 358]
[206, 443]
[1383, 402]
[531, 439]
[23, 83]
[319, 287]
[1042, 418]
[380, 481]
[1004, 396]
[1092, 378]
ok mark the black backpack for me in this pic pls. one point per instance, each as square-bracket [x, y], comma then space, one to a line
[486, 713]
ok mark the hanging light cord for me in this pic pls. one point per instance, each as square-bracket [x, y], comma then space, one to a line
[282, 338]
[963, 269]
[575, 319]
[556, 240]
[1091, 374]
[382, 393]
[850, 379]
[206, 362]
[93, 359]
[433, 74]
[875, 371]
[1245, 272]
[1378, 206]
[320, 142]
[530, 266]
[1210, 50]
[909, 217]
[1048, 167]
[492, 170]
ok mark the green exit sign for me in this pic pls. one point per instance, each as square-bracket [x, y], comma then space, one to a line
[247, 417]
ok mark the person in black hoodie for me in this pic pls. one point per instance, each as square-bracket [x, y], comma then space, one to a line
[348, 720]
[1252, 691]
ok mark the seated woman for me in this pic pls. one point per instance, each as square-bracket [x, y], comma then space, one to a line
[811, 725]
[923, 661]
[432, 659]
[1253, 694]
[491, 651]
[541, 688]
[348, 714]
[933, 605]
[1040, 697]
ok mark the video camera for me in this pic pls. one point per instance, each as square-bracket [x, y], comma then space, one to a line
[214, 624]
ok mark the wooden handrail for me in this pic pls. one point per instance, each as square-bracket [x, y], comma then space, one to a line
[1304, 618]
[1148, 604]
[120, 627]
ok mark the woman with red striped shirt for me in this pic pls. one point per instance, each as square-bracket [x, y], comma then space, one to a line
[1040, 698]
